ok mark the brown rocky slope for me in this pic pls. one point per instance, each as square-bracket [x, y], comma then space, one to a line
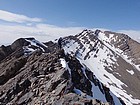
[34, 75]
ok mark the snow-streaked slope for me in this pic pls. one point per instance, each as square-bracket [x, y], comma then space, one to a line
[34, 45]
[96, 51]
[120, 49]
[98, 91]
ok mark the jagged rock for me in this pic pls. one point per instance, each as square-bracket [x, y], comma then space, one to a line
[12, 69]
[34, 74]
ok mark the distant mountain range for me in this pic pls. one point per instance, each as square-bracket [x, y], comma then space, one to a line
[92, 68]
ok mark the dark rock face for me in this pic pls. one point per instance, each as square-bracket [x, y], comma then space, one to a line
[11, 69]
[39, 78]
[19, 43]
[4, 51]
[77, 77]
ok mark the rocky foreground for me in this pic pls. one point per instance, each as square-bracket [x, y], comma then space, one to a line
[44, 74]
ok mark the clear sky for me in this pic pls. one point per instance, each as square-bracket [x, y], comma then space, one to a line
[108, 14]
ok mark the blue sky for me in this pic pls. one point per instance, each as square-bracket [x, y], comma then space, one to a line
[111, 14]
[115, 15]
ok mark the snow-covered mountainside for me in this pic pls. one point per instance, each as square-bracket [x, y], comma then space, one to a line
[91, 68]
[113, 58]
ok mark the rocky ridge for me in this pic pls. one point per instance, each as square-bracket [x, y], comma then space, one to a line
[112, 57]
[91, 68]
[33, 73]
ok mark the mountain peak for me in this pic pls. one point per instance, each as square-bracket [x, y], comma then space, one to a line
[92, 67]
[109, 56]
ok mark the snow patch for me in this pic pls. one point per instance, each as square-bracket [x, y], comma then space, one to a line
[65, 65]
[38, 44]
[63, 62]
[28, 50]
[130, 71]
